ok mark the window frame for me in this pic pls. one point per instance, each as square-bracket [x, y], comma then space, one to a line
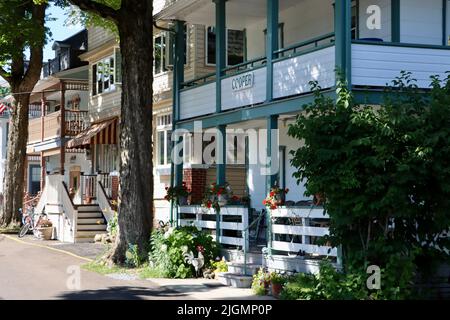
[166, 128]
[112, 86]
[244, 49]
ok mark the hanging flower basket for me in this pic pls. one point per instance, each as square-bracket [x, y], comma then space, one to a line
[275, 198]
[178, 194]
[217, 196]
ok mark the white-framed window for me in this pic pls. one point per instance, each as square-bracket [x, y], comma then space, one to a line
[164, 139]
[163, 51]
[235, 42]
[104, 75]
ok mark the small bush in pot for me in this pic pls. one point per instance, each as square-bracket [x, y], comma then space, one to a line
[277, 281]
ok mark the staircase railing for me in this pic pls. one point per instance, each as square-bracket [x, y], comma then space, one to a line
[103, 202]
[246, 235]
[70, 210]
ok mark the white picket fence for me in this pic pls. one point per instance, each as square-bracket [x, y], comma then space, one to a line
[302, 223]
[240, 213]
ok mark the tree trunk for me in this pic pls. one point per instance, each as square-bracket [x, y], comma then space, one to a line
[136, 168]
[22, 81]
[15, 164]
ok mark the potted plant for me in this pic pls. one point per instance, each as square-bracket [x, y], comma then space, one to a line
[275, 198]
[217, 196]
[178, 194]
[44, 229]
[277, 281]
[261, 282]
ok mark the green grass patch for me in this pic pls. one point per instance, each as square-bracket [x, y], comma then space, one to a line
[147, 273]
[14, 230]
[101, 268]
[143, 272]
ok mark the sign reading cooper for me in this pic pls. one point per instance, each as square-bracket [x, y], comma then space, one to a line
[242, 82]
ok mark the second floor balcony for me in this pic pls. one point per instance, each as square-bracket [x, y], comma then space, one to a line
[372, 42]
[50, 126]
[59, 110]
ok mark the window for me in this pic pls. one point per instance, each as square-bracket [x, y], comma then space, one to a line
[35, 179]
[170, 46]
[235, 46]
[160, 54]
[280, 36]
[355, 21]
[103, 76]
[164, 139]
[107, 157]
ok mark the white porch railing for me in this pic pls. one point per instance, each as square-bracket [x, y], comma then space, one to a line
[301, 230]
[232, 218]
[103, 202]
[70, 210]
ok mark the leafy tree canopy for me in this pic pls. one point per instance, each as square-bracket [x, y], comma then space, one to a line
[89, 18]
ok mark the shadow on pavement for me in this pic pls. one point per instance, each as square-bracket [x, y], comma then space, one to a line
[122, 293]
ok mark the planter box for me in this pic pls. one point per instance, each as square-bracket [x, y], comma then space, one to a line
[44, 233]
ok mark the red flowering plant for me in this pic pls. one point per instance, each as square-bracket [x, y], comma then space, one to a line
[178, 194]
[275, 198]
[216, 195]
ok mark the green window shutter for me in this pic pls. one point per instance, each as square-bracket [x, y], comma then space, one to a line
[118, 66]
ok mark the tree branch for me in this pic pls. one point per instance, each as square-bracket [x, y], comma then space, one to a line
[36, 49]
[100, 9]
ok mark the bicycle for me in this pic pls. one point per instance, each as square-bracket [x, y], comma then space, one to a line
[28, 221]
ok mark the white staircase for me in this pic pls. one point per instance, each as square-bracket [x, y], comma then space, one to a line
[90, 222]
[240, 274]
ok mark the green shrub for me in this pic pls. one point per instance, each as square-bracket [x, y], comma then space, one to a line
[384, 175]
[330, 284]
[169, 246]
[220, 266]
[133, 257]
[261, 282]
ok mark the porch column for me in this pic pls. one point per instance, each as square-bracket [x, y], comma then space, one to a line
[178, 79]
[63, 126]
[271, 43]
[395, 20]
[221, 158]
[343, 34]
[176, 174]
[42, 139]
[221, 48]
[272, 154]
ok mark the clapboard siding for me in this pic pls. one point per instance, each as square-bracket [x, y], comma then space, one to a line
[235, 176]
[374, 65]
[98, 36]
[198, 101]
[421, 21]
[254, 95]
[292, 76]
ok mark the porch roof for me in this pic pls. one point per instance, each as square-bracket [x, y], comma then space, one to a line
[98, 133]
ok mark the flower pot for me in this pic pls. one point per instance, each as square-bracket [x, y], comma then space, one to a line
[276, 289]
[222, 200]
[182, 201]
[44, 233]
[280, 198]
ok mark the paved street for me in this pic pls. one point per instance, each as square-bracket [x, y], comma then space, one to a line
[32, 269]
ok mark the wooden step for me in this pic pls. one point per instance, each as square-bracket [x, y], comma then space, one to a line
[235, 280]
[97, 221]
[91, 227]
[91, 214]
[88, 208]
[87, 235]
[239, 268]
